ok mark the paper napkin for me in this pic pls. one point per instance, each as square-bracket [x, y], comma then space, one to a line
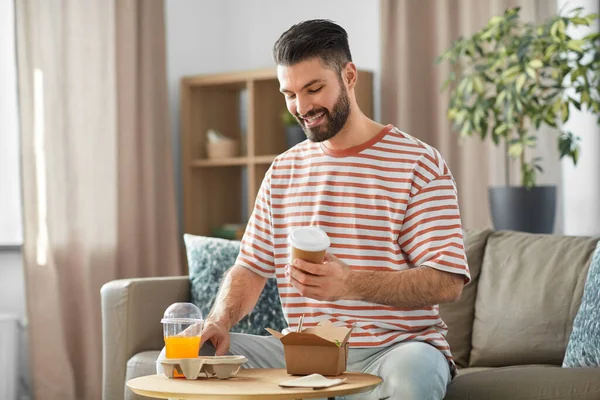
[315, 381]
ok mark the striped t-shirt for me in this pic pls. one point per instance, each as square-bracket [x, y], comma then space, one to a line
[387, 205]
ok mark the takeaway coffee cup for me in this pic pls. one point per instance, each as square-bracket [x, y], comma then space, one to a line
[309, 244]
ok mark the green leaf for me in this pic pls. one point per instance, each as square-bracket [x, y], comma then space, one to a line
[575, 103]
[466, 129]
[500, 98]
[531, 72]
[512, 72]
[515, 150]
[551, 50]
[550, 119]
[500, 129]
[486, 35]
[460, 116]
[520, 82]
[495, 20]
[564, 111]
[590, 18]
[568, 145]
[554, 30]
[531, 141]
[556, 106]
[484, 129]
[478, 84]
[462, 86]
[575, 45]
[591, 37]
[477, 116]
[580, 21]
[585, 97]
[519, 105]
[452, 112]
[577, 73]
[535, 64]
[561, 29]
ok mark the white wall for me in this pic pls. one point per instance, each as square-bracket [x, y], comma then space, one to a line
[581, 184]
[12, 284]
[208, 36]
[12, 302]
[10, 199]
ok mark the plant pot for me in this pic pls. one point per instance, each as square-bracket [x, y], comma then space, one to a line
[520, 209]
[294, 135]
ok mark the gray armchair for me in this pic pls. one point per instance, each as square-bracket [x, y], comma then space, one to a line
[131, 329]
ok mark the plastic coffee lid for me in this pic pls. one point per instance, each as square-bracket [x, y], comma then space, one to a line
[309, 238]
[182, 313]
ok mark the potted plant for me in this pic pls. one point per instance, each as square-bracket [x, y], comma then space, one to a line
[293, 131]
[506, 81]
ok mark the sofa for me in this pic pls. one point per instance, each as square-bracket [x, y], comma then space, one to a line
[508, 332]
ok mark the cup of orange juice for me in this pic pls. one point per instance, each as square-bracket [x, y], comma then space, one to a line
[182, 330]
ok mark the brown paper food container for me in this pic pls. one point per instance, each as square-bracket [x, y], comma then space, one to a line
[319, 350]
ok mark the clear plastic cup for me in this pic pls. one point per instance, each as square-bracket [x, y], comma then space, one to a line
[182, 330]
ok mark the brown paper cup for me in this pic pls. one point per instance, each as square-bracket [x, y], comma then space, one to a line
[309, 244]
[315, 257]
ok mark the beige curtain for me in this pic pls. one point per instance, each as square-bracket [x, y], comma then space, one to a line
[413, 34]
[97, 174]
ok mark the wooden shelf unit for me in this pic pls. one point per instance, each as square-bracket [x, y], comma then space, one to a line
[245, 106]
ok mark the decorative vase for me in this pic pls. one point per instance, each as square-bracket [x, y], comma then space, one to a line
[519, 209]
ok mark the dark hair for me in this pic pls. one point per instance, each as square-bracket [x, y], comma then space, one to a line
[315, 38]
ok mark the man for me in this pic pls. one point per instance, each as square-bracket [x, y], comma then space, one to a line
[388, 203]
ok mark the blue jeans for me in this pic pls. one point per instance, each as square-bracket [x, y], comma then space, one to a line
[410, 370]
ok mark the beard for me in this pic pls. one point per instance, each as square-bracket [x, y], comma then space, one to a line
[334, 120]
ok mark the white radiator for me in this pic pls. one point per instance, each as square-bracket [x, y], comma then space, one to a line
[9, 356]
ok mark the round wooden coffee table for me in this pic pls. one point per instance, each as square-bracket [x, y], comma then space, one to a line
[248, 384]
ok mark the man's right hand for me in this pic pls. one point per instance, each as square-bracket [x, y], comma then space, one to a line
[218, 335]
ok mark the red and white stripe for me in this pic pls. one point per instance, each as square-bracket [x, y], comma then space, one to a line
[387, 205]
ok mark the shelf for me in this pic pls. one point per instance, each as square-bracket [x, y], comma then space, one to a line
[231, 78]
[221, 162]
[268, 159]
[246, 107]
[233, 161]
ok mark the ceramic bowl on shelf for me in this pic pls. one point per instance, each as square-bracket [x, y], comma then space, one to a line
[224, 148]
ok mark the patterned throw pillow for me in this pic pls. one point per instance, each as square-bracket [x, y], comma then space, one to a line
[583, 349]
[208, 259]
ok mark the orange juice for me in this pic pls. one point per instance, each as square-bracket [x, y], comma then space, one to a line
[182, 347]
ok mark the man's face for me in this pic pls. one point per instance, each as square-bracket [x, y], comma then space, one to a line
[316, 97]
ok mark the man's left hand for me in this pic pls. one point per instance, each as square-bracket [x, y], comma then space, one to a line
[325, 282]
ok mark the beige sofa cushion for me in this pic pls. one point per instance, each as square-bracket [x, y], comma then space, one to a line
[529, 291]
[141, 364]
[527, 382]
[459, 315]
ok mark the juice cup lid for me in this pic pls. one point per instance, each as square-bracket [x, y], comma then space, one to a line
[182, 313]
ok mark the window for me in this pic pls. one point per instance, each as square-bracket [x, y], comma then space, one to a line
[11, 231]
